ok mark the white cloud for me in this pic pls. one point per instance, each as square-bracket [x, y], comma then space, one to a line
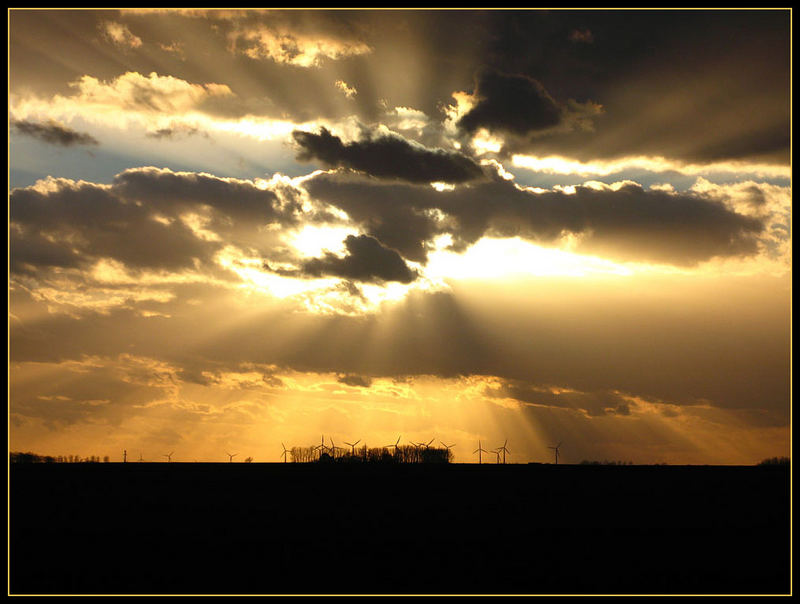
[120, 35]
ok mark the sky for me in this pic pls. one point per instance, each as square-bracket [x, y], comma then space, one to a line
[234, 230]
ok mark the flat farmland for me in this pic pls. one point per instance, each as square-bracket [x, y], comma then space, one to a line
[235, 528]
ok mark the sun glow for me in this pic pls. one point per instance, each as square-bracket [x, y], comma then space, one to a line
[252, 273]
[555, 164]
[493, 258]
[314, 241]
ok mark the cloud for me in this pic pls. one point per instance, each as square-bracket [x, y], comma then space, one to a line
[366, 261]
[347, 90]
[679, 341]
[510, 103]
[149, 93]
[626, 222]
[147, 218]
[120, 35]
[53, 132]
[172, 132]
[583, 36]
[355, 380]
[387, 156]
[592, 403]
[298, 40]
[93, 389]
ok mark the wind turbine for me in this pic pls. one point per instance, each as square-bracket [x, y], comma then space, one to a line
[504, 450]
[556, 450]
[168, 456]
[479, 450]
[321, 446]
[447, 448]
[394, 445]
[353, 446]
[333, 449]
[231, 456]
[140, 457]
[284, 452]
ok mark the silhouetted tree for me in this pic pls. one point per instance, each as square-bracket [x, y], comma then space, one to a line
[774, 461]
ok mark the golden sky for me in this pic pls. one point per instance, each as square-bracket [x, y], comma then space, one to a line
[233, 230]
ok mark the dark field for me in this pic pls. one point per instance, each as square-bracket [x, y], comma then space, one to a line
[457, 529]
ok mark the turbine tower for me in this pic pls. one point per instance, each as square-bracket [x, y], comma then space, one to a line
[556, 450]
[285, 452]
[231, 456]
[480, 450]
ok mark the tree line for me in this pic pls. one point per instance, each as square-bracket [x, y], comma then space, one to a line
[28, 457]
[393, 454]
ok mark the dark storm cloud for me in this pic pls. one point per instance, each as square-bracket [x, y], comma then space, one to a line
[139, 220]
[54, 133]
[366, 261]
[698, 85]
[509, 103]
[387, 156]
[630, 223]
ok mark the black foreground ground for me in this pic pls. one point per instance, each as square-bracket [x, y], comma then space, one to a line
[196, 528]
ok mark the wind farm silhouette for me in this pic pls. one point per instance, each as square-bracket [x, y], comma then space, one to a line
[423, 451]
[414, 452]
